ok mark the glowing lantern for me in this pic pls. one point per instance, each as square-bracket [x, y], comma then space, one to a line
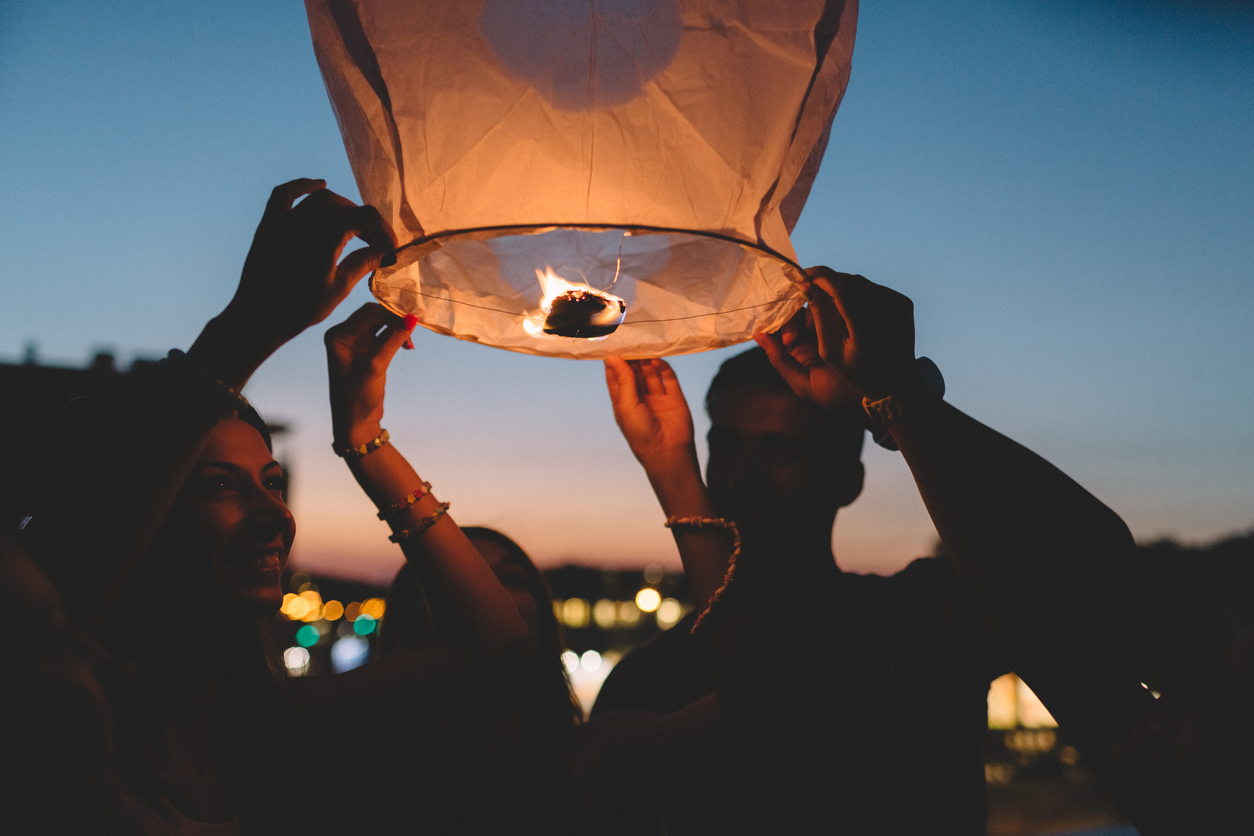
[646, 159]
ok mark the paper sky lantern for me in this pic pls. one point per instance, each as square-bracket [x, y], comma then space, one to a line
[581, 178]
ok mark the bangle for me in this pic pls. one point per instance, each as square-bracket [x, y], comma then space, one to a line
[178, 362]
[423, 490]
[362, 450]
[711, 522]
[422, 525]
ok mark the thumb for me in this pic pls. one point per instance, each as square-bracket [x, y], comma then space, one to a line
[793, 373]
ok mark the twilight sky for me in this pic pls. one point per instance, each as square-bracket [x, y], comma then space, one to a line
[1064, 187]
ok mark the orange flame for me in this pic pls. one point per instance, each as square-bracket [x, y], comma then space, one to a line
[555, 286]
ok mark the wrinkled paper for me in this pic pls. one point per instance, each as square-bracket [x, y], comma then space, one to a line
[660, 149]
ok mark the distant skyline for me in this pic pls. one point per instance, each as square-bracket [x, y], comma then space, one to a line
[1065, 189]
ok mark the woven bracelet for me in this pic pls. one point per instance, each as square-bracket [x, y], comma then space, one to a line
[362, 450]
[407, 502]
[422, 525]
[712, 522]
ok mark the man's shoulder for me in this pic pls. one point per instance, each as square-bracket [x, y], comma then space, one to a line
[659, 675]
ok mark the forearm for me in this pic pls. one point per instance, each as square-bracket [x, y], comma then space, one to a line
[445, 561]
[704, 552]
[1015, 525]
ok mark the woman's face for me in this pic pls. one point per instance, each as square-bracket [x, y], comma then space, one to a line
[513, 577]
[230, 517]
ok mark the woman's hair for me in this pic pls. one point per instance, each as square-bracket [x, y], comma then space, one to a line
[547, 688]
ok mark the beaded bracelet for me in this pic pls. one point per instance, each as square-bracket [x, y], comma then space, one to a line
[407, 502]
[713, 522]
[422, 525]
[362, 450]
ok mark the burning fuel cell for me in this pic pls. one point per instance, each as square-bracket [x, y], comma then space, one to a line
[575, 310]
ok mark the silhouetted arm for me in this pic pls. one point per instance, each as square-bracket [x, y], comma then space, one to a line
[1047, 560]
[1014, 525]
[650, 409]
[447, 564]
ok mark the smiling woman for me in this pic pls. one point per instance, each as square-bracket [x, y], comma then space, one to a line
[231, 516]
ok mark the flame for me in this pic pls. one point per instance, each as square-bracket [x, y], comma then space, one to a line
[555, 286]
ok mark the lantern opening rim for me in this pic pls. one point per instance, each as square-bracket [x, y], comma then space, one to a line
[425, 242]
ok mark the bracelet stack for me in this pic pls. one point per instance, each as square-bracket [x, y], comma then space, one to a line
[361, 450]
[711, 522]
[422, 524]
[407, 502]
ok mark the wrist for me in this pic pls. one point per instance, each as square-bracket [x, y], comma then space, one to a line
[919, 393]
[680, 489]
[228, 349]
[355, 434]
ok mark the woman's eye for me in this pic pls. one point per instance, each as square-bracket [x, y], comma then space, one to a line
[217, 484]
[276, 483]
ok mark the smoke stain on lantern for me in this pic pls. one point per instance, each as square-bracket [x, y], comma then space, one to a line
[574, 310]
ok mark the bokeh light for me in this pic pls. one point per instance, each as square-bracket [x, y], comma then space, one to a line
[332, 610]
[348, 653]
[307, 636]
[363, 625]
[604, 613]
[373, 607]
[648, 599]
[570, 660]
[669, 612]
[575, 612]
[296, 660]
[590, 661]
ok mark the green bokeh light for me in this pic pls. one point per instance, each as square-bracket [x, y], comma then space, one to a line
[364, 625]
[307, 636]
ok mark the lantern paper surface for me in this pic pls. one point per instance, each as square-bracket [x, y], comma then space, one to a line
[657, 150]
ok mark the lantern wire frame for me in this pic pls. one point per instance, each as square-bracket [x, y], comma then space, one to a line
[427, 244]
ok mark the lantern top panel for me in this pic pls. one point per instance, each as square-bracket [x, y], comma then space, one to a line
[653, 151]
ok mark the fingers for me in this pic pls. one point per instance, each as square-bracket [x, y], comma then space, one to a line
[795, 375]
[621, 381]
[649, 375]
[283, 196]
[670, 380]
[355, 265]
[373, 331]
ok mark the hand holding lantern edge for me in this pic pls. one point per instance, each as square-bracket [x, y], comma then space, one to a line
[853, 332]
[359, 351]
[293, 276]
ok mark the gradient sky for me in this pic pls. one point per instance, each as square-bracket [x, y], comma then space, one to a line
[1064, 187]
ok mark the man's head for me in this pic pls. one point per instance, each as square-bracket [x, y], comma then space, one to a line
[779, 465]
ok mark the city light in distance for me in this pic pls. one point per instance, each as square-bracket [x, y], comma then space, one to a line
[648, 599]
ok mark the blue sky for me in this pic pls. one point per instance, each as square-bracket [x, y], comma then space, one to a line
[1066, 190]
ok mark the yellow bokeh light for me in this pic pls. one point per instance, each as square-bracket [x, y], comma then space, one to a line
[669, 611]
[332, 610]
[628, 613]
[373, 607]
[352, 611]
[575, 612]
[648, 599]
[603, 613]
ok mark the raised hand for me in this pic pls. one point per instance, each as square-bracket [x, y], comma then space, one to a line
[650, 410]
[293, 276]
[359, 351]
[855, 333]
